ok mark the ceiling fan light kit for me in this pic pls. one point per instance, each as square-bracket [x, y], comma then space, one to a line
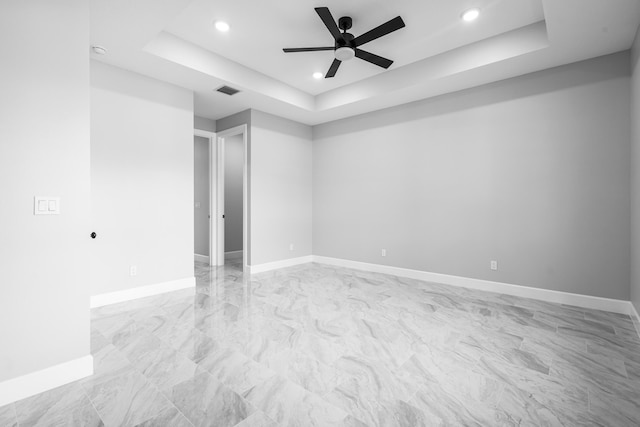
[346, 46]
[344, 53]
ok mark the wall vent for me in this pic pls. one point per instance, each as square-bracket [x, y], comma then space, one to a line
[227, 90]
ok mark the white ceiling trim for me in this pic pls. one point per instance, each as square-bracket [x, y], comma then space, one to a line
[427, 71]
[421, 73]
[174, 49]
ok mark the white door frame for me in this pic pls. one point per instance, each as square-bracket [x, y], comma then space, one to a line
[238, 130]
[211, 137]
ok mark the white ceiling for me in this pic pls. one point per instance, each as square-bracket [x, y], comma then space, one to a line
[257, 39]
[436, 53]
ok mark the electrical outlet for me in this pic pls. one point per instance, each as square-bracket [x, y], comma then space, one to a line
[290, 246]
[383, 252]
[133, 270]
[494, 265]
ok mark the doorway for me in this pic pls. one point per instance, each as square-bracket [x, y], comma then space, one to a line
[204, 148]
[201, 195]
[232, 239]
[233, 204]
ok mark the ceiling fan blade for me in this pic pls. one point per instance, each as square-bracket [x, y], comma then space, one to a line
[307, 49]
[381, 30]
[329, 22]
[333, 69]
[374, 59]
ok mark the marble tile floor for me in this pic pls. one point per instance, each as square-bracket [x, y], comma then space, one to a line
[315, 345]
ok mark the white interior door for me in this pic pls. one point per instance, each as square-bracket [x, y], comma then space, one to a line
[208, 208]
[220, 202]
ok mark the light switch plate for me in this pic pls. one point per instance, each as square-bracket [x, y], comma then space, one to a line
[46, 205]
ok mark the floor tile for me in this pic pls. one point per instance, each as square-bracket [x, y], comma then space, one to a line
[125, 399]
[611, 410]
[615, 351]
[62, 406]
[8, 416]
[163, 366]
[205, 401]
[530, 397]
[323, 349]
[453, 374]
[553, 346]
[168, 417]
[98, 341]
[441, 408]
[235, 370]
[633, 370]
[108, 361]
[305, 371]
[257, 419]
[291, 405]
[594, 337]
[606, 376]
[628, 334]
[351, 421]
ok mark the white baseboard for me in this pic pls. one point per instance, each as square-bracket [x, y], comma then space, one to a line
[233, 255]
[141, 292]
[260, 268]
[635, 318]
[201, 258]
[633, 313]
[46, 379]
[584, 301]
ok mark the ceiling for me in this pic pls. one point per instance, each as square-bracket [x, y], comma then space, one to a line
[436, 53]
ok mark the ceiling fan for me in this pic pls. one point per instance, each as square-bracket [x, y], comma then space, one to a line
[346, 45]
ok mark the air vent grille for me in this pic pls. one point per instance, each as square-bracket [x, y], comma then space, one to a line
[227, 90]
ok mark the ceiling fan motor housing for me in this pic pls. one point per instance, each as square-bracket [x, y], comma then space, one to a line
[346, 41]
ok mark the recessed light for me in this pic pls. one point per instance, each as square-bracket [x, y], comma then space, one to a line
[471, 15]
[222, 26]
[99, 50]
[317, 75]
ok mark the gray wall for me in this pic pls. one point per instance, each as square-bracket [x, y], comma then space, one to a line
[281, 188]
[238, 119]
[532, 172]
[204, 124]
[44, 267]
[233, 179]
[635, 177]
[201, 195]
[141, 180]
